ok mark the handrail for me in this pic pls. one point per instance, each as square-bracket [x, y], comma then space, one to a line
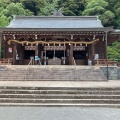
[27, 68]
[75, 67]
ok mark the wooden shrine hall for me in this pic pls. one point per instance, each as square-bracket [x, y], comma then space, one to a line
[56, 40]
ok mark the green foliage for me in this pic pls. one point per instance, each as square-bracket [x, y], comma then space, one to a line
[14, 9]
[94, 3]
[49, 5]
[4, 21]
[114, 51]
[107, 18]
[108, 10]
[71, 7]
[33, 5]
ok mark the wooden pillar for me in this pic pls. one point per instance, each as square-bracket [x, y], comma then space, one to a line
[93, 53]
[36, 54]
[87, 53]
[40, 51]
[69, 54]
[22, 55]
[14, 53]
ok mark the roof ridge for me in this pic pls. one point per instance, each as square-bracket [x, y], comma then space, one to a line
[82, 17]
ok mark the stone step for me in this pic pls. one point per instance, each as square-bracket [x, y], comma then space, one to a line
[97, 80]
[61, 105]
[62, 73]
[111, 89]
[59, 96]
[26, 100]
[56, 96]
[59, 92]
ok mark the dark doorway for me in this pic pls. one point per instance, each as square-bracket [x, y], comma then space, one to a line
[58, 54]
[79, 55]
[29, 53]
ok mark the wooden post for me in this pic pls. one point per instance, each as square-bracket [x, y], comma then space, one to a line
[14, 53]
[36, 53]
[86, 59]
[21, 54]
[69, 54]
[93, 53]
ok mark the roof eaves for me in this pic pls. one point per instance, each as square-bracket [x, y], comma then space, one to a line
[58, 29]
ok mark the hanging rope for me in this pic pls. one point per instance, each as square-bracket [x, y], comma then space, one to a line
[52, 42]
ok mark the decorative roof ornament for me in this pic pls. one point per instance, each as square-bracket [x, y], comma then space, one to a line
[14, 17]
[57, 12]
[98, 18]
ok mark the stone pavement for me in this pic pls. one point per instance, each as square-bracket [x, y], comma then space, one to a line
[58, 113]
[110, 83]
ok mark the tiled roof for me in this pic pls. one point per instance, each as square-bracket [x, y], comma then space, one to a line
[55, 22]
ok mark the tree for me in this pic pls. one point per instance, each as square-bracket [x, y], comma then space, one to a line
[48, 7]
[101, 8]
[71, 7]
[14, 9]
[108, 18]
[4, 21]
[33, 5]
[114, 51]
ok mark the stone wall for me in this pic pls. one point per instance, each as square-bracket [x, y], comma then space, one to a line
[113, 72]
[2, 68]
[118, 72]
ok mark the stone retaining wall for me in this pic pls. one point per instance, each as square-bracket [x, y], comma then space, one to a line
[113, 72]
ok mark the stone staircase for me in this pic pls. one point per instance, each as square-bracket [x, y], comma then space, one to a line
[54, 73]
[59, 96]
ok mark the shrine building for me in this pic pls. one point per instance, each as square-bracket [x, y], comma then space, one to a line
[56, 40]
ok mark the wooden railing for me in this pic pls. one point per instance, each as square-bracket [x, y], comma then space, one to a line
[6, 61]
[104, 62]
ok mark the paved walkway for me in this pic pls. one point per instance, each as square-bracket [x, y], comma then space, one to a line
[110, 83]
[58, 113]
